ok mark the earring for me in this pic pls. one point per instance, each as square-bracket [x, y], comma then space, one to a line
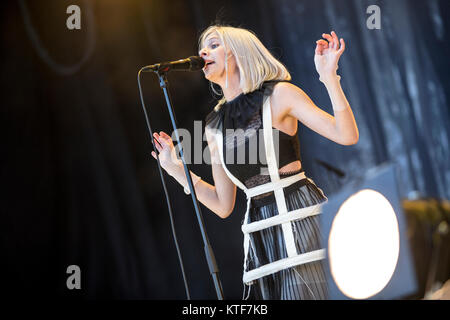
[226, 73]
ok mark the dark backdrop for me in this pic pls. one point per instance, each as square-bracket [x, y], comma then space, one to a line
[78, 184]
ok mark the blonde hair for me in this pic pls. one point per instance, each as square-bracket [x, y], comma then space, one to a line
[255, 63]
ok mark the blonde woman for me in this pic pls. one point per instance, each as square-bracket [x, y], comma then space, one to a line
[258, 115]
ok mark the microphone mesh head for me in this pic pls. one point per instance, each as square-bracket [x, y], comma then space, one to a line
[197, 63]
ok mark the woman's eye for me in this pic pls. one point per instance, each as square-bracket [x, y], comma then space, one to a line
[215, 45]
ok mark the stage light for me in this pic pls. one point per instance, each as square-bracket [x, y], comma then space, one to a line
[362, 268]
[364, 231]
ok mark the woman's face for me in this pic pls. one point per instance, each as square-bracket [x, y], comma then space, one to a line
[213, 52]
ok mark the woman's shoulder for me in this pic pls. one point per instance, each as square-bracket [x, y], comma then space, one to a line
[283, 87]
[269, 86]
[282, 98]
[284, 91]
[280, 90]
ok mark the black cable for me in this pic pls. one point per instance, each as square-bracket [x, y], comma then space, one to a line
[165, 189]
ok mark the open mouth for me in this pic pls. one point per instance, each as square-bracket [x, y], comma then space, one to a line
[208, 63]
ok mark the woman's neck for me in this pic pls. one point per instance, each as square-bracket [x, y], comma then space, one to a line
[233, 89]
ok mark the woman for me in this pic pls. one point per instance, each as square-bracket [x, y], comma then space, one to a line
[283, 256]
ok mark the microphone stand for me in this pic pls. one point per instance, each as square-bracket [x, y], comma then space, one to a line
[212, 264]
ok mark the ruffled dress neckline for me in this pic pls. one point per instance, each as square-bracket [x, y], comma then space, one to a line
[241, 109]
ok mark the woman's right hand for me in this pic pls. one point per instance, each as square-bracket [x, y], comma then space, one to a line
[219, 198]
[166, 152]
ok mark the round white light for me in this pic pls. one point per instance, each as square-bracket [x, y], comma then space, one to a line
[363, 245]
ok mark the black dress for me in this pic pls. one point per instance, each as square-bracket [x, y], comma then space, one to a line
[304, 281]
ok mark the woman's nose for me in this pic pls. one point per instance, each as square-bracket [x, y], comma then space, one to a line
[203, 53]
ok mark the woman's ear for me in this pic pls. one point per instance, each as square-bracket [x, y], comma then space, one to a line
[230, 56]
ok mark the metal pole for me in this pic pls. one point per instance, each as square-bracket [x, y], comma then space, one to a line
[212, 264]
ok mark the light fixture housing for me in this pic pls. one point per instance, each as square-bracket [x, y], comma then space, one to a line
[349, 238]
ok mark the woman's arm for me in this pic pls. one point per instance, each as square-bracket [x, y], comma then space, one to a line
[219, 198]
[344, 121]
[290, 101]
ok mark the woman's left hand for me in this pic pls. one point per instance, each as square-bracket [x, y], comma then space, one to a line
[327, 55]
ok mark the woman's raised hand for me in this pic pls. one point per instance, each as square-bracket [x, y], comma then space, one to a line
[166, 152]
[327, 55]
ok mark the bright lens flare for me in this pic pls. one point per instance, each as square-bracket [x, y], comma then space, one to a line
[364, 244]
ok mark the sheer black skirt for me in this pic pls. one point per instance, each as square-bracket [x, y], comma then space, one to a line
[302, 282]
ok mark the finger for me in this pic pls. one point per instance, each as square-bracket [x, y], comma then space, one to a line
[319, 50]
[167, 139]
[163, 142]
[322, 42]
[164, 135]
[157, 144]
[154, 154]
[159, 139]
[320, 46]
[341, 50]
[335, 40]
[329, 38]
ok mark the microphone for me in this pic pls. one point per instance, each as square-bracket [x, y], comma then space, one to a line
[193, 63]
